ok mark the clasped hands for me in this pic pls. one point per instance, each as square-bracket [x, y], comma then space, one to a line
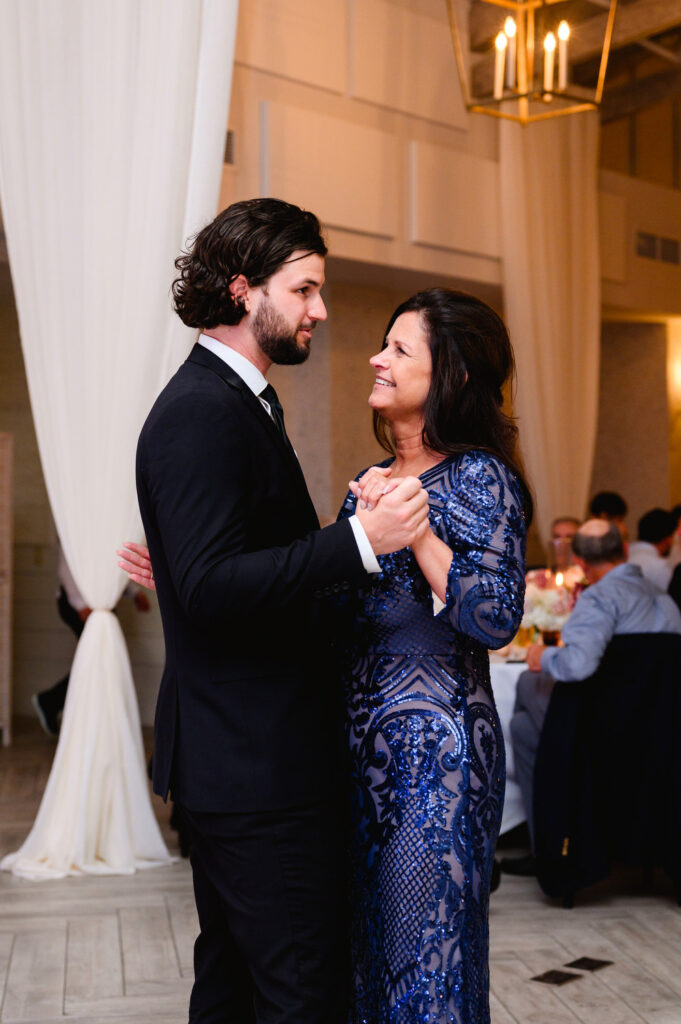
[392, 511]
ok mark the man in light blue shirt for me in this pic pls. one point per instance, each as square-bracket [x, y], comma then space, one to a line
[618, 600]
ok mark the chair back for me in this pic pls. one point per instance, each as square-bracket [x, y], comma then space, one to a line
[608, 769]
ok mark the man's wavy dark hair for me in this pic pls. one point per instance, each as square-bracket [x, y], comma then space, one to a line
[472, 360]
[252, 238]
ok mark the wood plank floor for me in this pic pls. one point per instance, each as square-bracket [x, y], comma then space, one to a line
[119, 949]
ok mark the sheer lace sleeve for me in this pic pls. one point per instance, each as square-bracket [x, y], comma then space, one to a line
[480, 515]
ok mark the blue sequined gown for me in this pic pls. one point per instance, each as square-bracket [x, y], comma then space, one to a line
[427, 754]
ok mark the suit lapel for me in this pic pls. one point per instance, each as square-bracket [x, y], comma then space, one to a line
[204, 357]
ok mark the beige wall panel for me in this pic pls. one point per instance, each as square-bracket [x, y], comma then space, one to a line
[652, 207]
[651, 287]
[632, 443]
[403, 255]
[295, 38]
[347, 173]
[655, 144]
[615, 145]
[243, 179]
[454, 200]
[405, 61]
[614, 236]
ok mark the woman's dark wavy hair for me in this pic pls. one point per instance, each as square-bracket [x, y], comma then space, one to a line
[252, 238]
[472, 360]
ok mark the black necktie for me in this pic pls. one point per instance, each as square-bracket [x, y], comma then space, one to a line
[272, 399]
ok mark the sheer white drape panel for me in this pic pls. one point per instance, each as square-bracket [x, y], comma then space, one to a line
[551, 273]
[112, 124]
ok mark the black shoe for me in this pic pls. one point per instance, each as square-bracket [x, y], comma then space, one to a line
[495, 877]
[49, 718]
[524, 866]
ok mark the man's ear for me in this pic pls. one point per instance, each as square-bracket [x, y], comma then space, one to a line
[239, 289]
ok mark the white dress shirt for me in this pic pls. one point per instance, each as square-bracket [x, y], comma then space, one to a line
[257, 382]
[653, 566]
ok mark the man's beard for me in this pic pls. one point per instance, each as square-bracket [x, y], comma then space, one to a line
[275, 338]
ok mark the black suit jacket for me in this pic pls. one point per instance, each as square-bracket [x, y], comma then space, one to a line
[246, 710]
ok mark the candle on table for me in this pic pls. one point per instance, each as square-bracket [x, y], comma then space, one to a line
[510, 33]
[549, 55]
[563, 36]
[501, 42]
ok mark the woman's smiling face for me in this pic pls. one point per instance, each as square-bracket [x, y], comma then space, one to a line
[403, 370]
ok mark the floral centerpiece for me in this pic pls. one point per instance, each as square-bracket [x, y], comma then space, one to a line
[550, 598]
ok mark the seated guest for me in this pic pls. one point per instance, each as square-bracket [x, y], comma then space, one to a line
[565, 527]
[611, 506]
[563, 530]
[655, 536]
[618, 600]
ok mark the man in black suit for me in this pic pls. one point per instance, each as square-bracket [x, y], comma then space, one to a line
[246, 728]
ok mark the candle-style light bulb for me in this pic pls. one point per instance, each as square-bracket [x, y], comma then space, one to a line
[501, 42]
[563, 36]
[510, 31]
[549, 56]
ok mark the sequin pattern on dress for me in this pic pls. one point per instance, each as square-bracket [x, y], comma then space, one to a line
[427, 754]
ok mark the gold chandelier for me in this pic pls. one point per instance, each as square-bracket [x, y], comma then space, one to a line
[529, 60]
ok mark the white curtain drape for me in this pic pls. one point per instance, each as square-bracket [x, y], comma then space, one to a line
[112, 124]
[551, 276]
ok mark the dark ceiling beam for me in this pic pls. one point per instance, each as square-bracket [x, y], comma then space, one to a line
[484, 21]
[641, 93]
[633, 23]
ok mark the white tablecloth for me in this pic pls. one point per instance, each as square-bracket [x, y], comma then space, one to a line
[504, 677]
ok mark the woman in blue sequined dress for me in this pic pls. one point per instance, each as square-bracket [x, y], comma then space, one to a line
[426, 748]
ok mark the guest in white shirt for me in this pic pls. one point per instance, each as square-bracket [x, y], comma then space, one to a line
[655, 535]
